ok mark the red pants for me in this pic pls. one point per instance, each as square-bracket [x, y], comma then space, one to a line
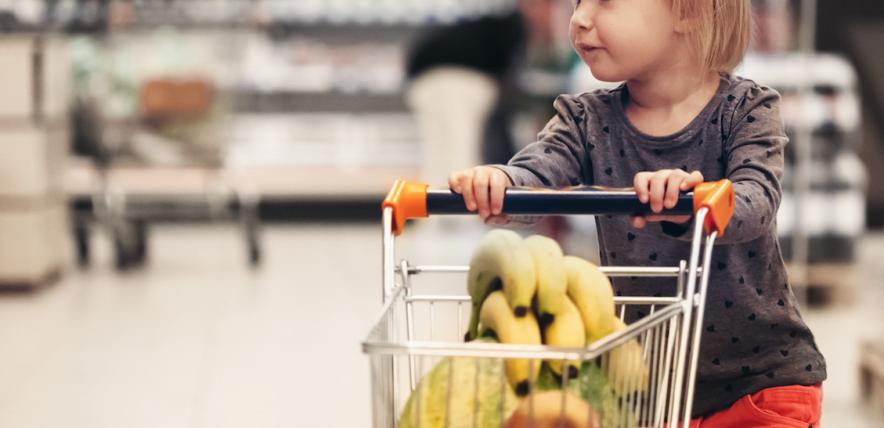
[781, 407]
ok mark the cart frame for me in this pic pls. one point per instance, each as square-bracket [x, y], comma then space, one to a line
[670, 334]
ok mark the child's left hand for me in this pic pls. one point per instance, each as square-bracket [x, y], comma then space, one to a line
[661, 189]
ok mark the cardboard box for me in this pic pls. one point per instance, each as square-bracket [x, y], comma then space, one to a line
[33, 160]
[36, 240]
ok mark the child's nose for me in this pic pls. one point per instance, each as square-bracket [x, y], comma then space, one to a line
[584, 15]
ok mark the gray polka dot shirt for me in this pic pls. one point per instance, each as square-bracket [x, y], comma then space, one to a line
[753, 335]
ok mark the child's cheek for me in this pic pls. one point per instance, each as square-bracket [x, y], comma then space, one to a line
[572, 31]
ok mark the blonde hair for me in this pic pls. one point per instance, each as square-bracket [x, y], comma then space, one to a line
[720, 32]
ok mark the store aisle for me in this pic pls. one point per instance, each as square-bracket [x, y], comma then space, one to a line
[200, 340]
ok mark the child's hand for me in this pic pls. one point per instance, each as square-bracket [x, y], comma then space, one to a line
[482, 188]
[661, 189]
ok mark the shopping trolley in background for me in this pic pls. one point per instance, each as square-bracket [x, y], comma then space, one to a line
[417, 329]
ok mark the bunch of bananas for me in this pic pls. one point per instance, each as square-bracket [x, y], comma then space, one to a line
[526, 291]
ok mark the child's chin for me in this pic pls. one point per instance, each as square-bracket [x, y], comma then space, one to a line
[605, 75]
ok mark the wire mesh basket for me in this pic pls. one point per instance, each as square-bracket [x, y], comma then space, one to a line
[424, 374]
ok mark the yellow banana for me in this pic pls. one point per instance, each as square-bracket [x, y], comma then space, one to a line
[501, 261]
[496, 316]
[591, 292]
[627, 372]
[552, 279]
[566, 331]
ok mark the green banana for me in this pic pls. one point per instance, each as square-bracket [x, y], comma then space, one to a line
[591, 292]
[552, 279]
[497, 317]
[501, 261]
[566, 331]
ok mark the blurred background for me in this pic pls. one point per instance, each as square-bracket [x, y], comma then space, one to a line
[190, 190]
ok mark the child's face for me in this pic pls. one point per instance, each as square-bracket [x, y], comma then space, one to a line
[625, 39]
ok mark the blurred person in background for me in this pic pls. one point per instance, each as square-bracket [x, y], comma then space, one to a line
[462, 86]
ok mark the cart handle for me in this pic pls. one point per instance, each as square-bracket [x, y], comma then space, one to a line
[410, 200]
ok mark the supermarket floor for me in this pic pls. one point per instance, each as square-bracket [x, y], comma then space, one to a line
[200, 340]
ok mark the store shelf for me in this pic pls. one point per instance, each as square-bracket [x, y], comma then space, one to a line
[828, 72]
[382, 20]
[347, 33]
[248, 101]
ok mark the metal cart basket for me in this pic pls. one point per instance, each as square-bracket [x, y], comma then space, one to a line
[416, 330]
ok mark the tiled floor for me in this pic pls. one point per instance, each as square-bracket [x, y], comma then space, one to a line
[200, 340]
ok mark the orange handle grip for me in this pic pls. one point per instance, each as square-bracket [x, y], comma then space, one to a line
[718, 197]
[408, 200]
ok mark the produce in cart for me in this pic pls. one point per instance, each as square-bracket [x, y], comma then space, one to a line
[552, 281]
[553, 409]
[627, 371]
[562, 283]
[591, 291]
[592, 386]
[566, 331]
[501, 261]
[459, 391]
[574, 304]
[497, 320]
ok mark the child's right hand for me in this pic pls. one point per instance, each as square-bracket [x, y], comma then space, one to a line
[482, 188]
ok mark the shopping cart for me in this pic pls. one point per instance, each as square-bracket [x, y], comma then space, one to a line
[418, 329]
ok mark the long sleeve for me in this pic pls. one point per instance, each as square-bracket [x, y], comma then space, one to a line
[755, 166]
[559, 157]
[753, 152]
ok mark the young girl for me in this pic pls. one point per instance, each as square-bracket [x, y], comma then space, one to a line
[680, 119]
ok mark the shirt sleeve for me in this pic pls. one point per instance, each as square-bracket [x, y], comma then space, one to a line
[559, 157]
[754, 157]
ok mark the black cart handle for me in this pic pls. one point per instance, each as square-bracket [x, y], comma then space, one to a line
[574, 200]
[415, 200]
